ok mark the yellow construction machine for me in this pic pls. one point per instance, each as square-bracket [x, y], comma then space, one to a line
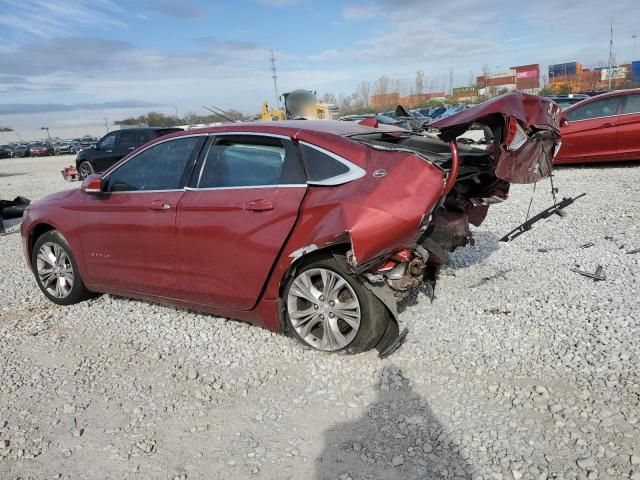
[298, 105]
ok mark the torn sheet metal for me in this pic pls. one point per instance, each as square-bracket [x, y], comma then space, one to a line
[596, 276]
[532, 159]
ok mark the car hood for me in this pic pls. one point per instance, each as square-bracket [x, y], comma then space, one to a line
[57, 197]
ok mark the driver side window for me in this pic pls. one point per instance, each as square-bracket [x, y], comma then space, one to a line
[161, 167]
[108, 141]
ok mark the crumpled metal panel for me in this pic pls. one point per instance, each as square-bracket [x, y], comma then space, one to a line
[529, 110]
[376, 214]
[539, 116]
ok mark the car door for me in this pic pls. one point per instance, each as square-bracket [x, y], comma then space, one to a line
[104, 155]
[629, 129]
[236, 216]
[128, 233]
[591, 131]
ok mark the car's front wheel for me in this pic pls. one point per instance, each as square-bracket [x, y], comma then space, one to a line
[85, 169]
[56, 270]
[330, 310]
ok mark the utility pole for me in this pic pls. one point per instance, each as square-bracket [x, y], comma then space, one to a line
[633, 56]
[275, 78]
[611, 54]
[177, 118]
[106, 123]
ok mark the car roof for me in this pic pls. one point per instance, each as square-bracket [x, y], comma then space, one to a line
[294, 128]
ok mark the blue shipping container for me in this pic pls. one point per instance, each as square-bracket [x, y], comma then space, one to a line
[562, 69]
[635, 71]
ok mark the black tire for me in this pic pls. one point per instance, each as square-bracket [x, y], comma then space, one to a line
[85, 169]
[374, 316]
[78, 292]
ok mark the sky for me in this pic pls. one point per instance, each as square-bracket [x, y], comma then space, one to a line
[75, 62]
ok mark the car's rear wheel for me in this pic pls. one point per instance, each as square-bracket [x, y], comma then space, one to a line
[56, 270]
[85, 169]
[330, 310]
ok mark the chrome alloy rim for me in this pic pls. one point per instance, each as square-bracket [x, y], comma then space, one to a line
[323, 309]
[54, 270]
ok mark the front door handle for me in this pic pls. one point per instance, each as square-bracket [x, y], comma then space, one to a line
[607, 125]
[158, 206]
[261, 205]
[131, 148]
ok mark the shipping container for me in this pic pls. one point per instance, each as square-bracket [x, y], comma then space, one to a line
[472, 89]
[527, 83]
[617, 73]
[500, 74]
[525, 68]
[500, 81]
[635, 71]
[528, 74]
[564, 69]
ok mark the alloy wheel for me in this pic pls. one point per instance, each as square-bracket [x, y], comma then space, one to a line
[323, 309]
[55, 270]
[85, 170]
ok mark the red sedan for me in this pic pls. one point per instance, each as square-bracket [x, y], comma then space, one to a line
[311, 228]
[601, 128]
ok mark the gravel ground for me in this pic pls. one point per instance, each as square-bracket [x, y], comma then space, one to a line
[520, 368]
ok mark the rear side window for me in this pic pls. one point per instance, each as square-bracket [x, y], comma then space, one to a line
[250, 161]
[600, 108]
[132, 139]
[321, 166]
[164, 166]
[632, 105]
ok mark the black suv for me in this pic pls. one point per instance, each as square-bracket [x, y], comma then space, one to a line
[114, 146]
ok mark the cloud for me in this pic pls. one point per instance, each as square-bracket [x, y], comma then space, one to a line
[183, 10]
[47, 18]
[360, 12]
[29, 108]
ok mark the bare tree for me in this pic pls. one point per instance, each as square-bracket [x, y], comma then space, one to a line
[364, 92]
[382, 85]
[451, 74]
[419, 82]
[329, 98]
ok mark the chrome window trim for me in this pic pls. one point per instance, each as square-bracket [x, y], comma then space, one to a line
[134, 192]
[247, 187]
[594, 118]
[354, 172]
[106, 177]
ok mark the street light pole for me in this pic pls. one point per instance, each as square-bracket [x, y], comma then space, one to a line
[633, 56]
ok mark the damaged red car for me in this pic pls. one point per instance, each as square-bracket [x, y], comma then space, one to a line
[312, 228]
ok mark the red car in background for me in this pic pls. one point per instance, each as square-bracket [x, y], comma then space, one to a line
[38, 150]
[602, 128]
[314, 228]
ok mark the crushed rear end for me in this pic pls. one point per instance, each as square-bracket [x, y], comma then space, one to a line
[523, 138]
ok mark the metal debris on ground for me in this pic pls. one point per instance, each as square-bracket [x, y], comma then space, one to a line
[635, 250]
[526, 226]
[70, 173]
[596, 276]
[587, 245]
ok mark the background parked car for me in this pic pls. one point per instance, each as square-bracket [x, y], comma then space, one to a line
[115, 146]
[38, 150]
[21, 151]
[602, 128]
[566, 101]
[64, 148]
[6, 151]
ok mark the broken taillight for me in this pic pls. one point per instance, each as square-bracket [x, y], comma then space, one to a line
[516, 136]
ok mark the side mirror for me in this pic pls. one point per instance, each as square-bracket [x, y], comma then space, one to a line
[564, 122]
[92, 184]
[94, 146]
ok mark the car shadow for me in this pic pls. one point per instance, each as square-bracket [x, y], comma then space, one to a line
[485, 244]
[398, 437]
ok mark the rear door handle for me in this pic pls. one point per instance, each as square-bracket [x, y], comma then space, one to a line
[261, 205]
[607, 125]
[131, 148]
[158, 206]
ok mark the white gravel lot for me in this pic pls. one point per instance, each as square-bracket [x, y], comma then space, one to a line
[520, 368]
